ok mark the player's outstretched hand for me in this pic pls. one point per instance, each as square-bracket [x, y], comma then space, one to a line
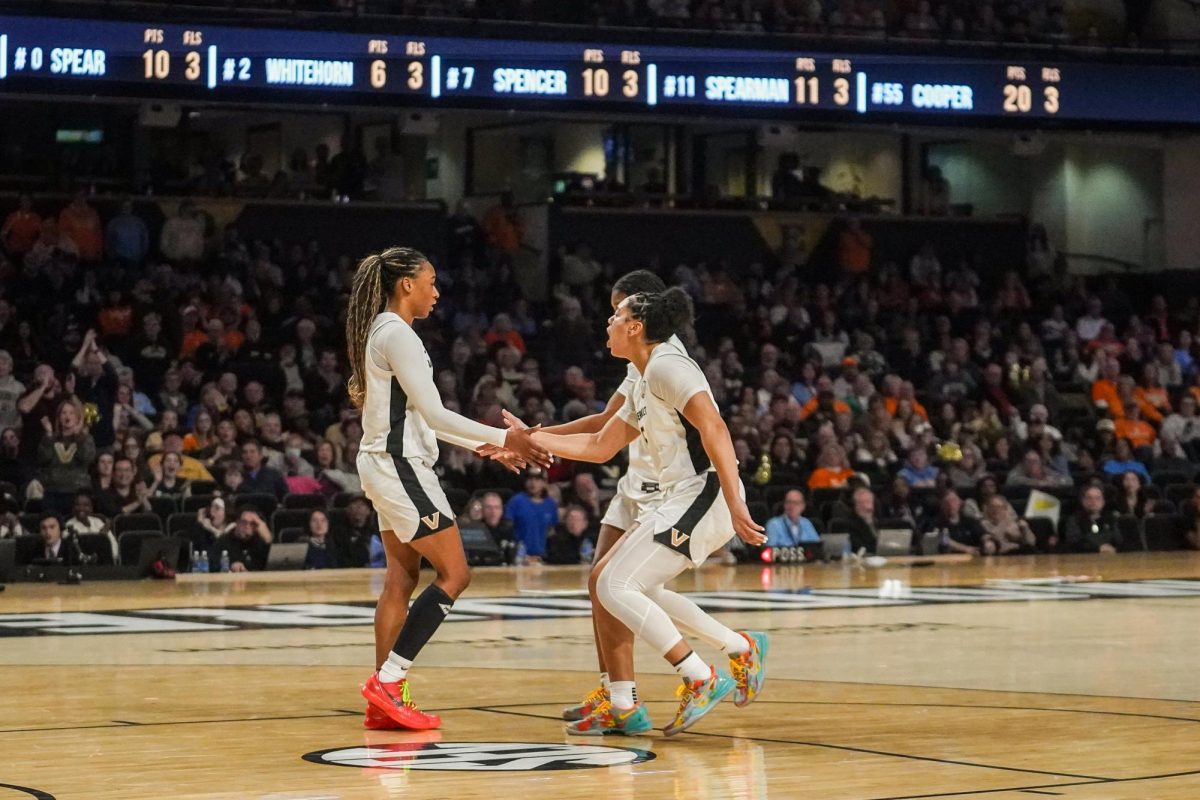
[513, 421]
[520, 442]
[745, 527]
[505, 458]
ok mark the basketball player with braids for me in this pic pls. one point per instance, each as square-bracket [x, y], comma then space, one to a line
[672, 410]
[402, 419]
[637, 488]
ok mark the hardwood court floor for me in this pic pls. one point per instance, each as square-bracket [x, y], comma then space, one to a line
[1072, 677]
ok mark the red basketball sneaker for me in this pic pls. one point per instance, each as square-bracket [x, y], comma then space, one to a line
[393, 699]
[376, 720]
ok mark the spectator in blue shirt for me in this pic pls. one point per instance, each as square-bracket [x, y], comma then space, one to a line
[791, 528]
[533, 514]
[126, 237]
[917, 470]
[1122, 461]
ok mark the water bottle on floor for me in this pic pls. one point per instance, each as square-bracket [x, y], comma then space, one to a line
[201, 562]
[224, 561]
[522, 554]
[586, 551]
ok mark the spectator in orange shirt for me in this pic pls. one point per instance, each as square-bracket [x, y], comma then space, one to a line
[823, 404]
[503, 227]
[854, 248]
[1134, 429]
[81, 223]
[895, 390]
[1127, 393]
[193, 334]
[1152, 398]
[1104, 390]
[21, 228]
[502, 331]
[833, 469]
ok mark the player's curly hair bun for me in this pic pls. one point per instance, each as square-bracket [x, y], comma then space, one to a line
[664, 314]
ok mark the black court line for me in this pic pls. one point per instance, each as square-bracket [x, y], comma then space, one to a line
[975, 705]
[125, 724]
[1039, 791]
[848, 748]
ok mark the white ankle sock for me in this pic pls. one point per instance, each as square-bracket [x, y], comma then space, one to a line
[693, 668]
[623, 694]
[394, 669]
[735, 645]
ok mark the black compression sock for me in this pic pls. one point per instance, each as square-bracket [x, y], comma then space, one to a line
[424, 617]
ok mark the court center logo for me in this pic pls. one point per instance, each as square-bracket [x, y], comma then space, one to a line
[480, 756]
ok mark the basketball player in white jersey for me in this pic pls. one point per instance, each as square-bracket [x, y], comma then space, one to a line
[637, 487]
[701, 505]
[402, 419]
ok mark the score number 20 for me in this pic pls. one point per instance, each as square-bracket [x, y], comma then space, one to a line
[1018, 99]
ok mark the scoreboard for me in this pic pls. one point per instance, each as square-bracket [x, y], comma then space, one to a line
[213, 62]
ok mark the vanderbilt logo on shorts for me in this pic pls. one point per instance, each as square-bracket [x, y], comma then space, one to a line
[432, 520]
[675, 539]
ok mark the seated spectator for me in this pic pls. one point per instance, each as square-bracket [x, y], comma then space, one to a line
[190, 469]
[968, 470]
[247, 545]
[126, 495]
[1191, 520]
[80, 222]
[1005, 533]
[203, 436]
[342, 477]
[56, 549]
[212, 519]
[1132, 428]
[499, 526]
[899, 504]
[1092, 529]
[917, 470]
[585, 494]
[786, 466]
[1131, 499]
[876, 453]
[1031, 473]
[861, 522]
[257, 476]
[321, 553]
[791, 528]
[82, 521]
[533, 513]
[957, 532]
[167, 482]
[21, 228]
[833, 470]
[1172, 458]
[352, 541]
[1184, 427]
[564, 542]
[1123, 461]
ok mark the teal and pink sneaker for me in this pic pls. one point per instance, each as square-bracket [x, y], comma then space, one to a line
[697, 699]
[597, 698]
[749, 669]
[608, 721]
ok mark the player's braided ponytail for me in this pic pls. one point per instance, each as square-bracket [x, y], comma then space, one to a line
[374, 283]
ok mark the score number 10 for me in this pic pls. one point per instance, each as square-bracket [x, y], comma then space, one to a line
[596, 82]
[808, 90]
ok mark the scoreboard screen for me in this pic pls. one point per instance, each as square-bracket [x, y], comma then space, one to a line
[212, 62]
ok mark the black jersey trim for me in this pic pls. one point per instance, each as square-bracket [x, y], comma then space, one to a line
[695, 445]
[431, 519]
[679, 536]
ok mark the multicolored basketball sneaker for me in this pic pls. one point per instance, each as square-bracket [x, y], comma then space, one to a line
[393, 699]
[608, 721]
[697, 699]
[749, 669]
[597, 698]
